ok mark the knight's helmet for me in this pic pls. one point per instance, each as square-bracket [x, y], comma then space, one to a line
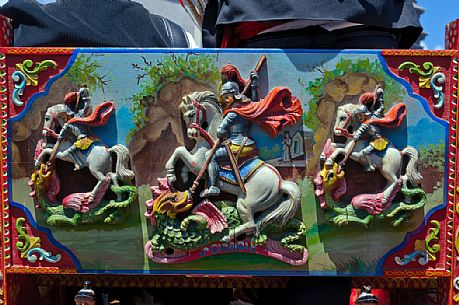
[86, 292]
[85, 97]
[84, 93]
[361, 109]
[231, 87]
[366, 297]
[379, 94]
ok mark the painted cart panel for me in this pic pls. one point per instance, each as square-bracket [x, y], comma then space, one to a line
[323, 195]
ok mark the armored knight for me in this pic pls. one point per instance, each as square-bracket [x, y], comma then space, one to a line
[370, 131]
[84, 139]
[230, 73]
[374, 101]
[78, 106]
[234, 129]
[78, 103]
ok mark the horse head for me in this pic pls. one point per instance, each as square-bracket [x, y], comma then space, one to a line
[202, 115]
[345, 122]
[55, 118]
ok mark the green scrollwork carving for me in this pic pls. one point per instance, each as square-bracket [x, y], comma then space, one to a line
[30, 246]
[415, 68]
[425, 73]
[25, 242]
[433, 236]
[31, 69]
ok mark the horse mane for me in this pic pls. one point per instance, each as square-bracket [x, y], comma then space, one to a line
[57, 110]
[349, 107]
[58, 107]
[200, 97]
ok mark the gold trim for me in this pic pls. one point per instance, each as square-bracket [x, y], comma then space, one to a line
[426, 53]
[39, 51]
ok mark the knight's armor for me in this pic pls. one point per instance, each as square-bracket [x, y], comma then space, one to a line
[78, 104]
[84, 106]
[373, 133]
[378, 106]
[236, 130]
[81, 133]
[80, 101]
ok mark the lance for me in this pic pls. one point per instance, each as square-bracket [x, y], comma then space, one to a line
[257, 69]
[203, 170]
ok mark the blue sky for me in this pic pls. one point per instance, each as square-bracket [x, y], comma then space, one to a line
[438, 14]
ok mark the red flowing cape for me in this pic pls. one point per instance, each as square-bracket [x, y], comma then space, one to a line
[276, 111]
[393, 118]
[99, 117]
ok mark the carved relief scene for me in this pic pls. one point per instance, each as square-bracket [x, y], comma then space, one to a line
[320, 163]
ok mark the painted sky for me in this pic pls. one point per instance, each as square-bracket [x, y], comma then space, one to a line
[281, 70]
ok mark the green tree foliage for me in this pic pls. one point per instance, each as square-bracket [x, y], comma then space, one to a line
[433, 155]
[393, 91]
[84, 72]
[170, 68]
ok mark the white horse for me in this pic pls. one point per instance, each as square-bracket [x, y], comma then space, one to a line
[389, 162]
[266, 193]
[98, 160]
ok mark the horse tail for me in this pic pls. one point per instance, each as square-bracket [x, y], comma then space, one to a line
[122, 162]
[285, 209]
[412, 173]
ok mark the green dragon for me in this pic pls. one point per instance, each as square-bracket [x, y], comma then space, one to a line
[192, 231]
[107, 211]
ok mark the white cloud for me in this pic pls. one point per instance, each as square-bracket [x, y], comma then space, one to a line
[423, 45]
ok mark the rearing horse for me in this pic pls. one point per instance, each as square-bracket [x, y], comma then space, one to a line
[389, 163]
[98, 159]
[267, 193]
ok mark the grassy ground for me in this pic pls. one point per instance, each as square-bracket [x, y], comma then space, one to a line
[340, 250]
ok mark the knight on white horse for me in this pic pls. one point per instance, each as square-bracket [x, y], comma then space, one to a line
[236, 130]
[265, 193]
[368, 146]
[70, 125]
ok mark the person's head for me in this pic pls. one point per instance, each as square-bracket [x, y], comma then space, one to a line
[362, 113]
[84, 93]
[229, 93]
[366, 297]
[85, 296]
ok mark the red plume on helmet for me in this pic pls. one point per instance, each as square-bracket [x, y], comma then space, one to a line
[233, 75]
[367, 97]
[71, 98]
